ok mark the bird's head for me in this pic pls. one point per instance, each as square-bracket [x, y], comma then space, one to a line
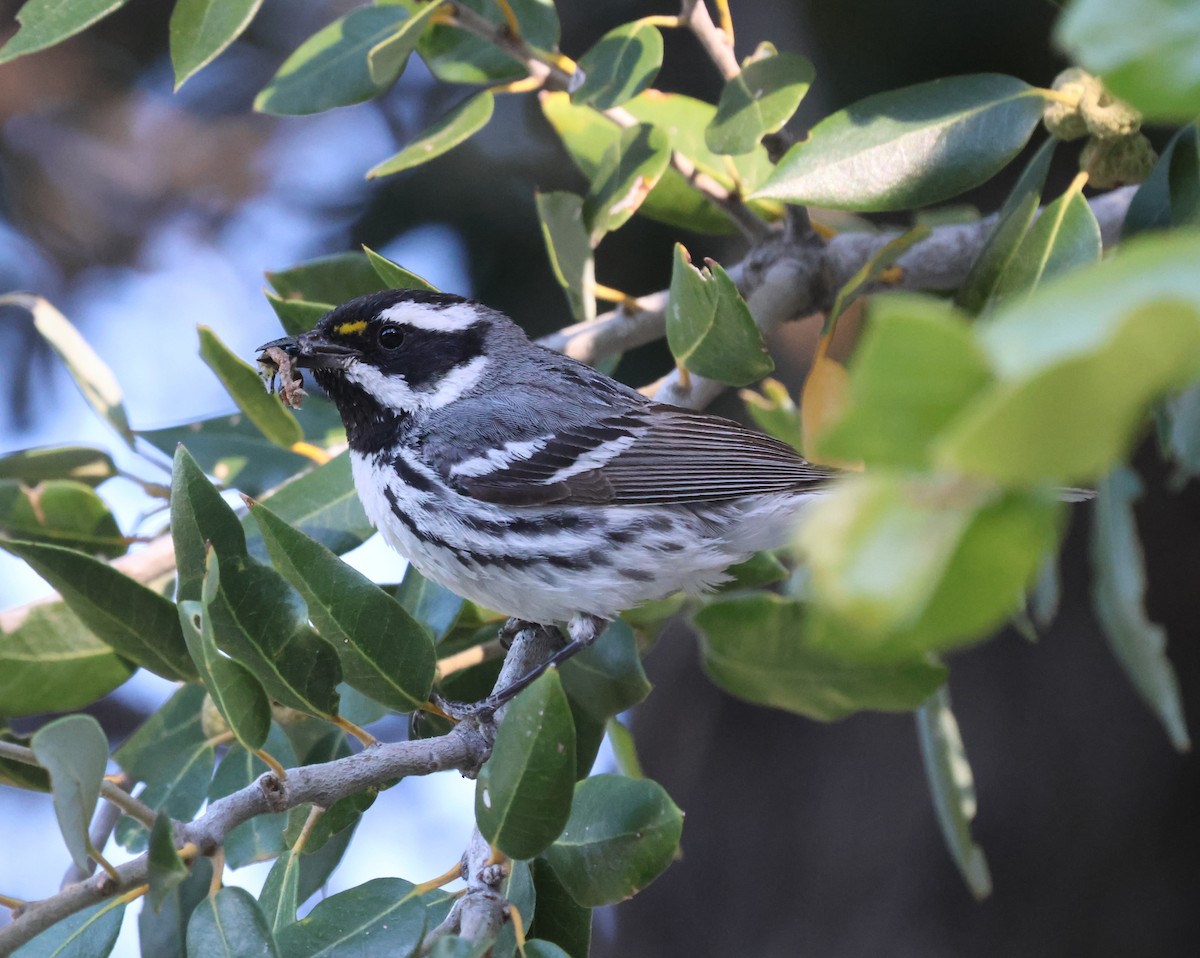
[399, 350]
[384, 356]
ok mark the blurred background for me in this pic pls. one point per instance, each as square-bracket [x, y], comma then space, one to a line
[141, 213]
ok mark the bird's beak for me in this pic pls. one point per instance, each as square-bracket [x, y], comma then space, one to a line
[309, 350]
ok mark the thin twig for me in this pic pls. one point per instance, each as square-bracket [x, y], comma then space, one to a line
[716, 42]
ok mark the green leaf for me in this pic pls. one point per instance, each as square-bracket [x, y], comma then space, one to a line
[233, 450]
[622, 834]
[91, 374]
[330, 68]
[260, 838]
[60, 512]
[709, 326]
[296, 316]
[388, 58]
[454, 55]
[1070, 422]
[521, 895]
[1012, 222]
[905, 565]
[52, 663]
[242, 382]
[322, 504]
[607, 678]
[172, 755]
[1145, 52]
[914, 369]
[261, 622]
[774, 412]
[200, 519]
[328, 279]
[229, 924]
[47, 22]
[163, 933]
[1118, 596]
[952, 788]
[383, 912]
[163, 737]
[911, 147]
[871, 270]
[544, 949]
[278, 899]
[167, 869]
[135, 621]
[1170, 195]
[81, 463]
[759, 648]
[523, 793]
[74, 750]
[235, 692]
[1065, 237]
[201, 30]
[627, 173]
[395, 276]
[91, 933]
[559, 918]
[620, 66]
[385, 653]
[459, 125]
[587, 134]
[570, 250]
[759, 100]
[686, 120]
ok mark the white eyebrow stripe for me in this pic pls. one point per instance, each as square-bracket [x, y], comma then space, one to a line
[495, 460]
[592, 459]
[439, 319]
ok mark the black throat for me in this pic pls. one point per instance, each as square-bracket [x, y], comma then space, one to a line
[370, 426]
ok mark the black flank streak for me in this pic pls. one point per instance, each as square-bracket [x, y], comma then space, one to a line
[410, 476]
[637, 575]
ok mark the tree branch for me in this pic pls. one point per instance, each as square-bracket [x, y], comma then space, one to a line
[785, 279]
[482, 911]
[464, 748]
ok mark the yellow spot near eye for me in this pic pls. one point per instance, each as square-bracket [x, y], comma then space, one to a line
[349, 329]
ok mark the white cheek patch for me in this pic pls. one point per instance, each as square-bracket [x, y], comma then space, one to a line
[496, 459]
[448, 319]
[392, 391]
[451, 386]
[593, 459]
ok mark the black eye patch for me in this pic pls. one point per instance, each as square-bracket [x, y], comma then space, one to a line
[427, 354]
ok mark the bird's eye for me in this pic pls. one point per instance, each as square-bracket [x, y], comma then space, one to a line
[391, 337]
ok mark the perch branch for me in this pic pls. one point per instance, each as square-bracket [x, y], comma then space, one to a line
[783, 280]
[464, 748]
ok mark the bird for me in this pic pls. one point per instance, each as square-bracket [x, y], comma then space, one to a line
[530, 483]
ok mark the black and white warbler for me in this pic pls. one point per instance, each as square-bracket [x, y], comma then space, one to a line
[528, 482]
[531, 483]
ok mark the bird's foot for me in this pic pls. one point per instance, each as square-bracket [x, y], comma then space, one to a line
[583, 629]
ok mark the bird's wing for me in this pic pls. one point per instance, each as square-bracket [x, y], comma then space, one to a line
[654, 454]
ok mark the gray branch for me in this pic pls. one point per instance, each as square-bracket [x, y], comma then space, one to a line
[464, 748]
[784, 280]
